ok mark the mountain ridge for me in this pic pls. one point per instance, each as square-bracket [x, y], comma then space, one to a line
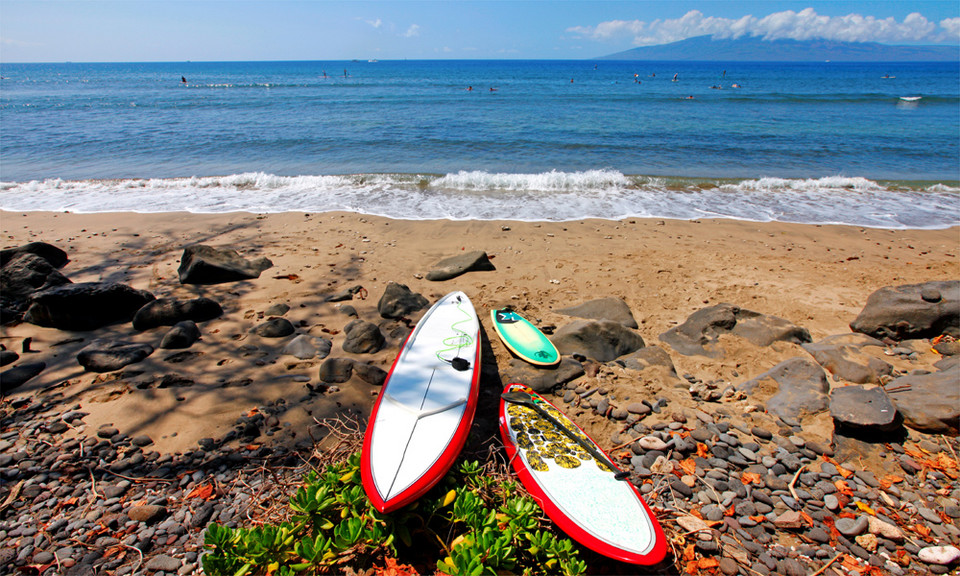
[755, 49]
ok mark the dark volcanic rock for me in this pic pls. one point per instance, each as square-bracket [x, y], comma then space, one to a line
[701, 331]
[85, 306]
[53, 255]
[647, 357]
[274, 328]
[912, 311]
[102, 356]
[169, 311]
[369, 373]
[842, 356]
[863, 409]
[336, 370]
[23, 275]
[801, 389]
[602, 340]
[17, 376]
[182, 335]
[202, 264]
[543, 379]
[398, 300]
[8, 357]
[362, 338]
[930, 402]
[456, 265]
[613, 309]
[345, 294]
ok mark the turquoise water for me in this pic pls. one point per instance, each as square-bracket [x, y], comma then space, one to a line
[810, 142]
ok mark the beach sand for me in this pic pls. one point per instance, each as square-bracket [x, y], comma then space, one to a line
[817, 277]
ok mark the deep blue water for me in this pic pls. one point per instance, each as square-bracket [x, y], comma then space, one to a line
[799, 142]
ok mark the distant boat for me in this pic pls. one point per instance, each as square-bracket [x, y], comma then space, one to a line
[910, 98]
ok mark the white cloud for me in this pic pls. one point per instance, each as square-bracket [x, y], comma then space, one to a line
[375, 23]
[803, 25]
[413, 30]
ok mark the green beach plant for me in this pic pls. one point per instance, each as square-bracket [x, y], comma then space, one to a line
[472, 523]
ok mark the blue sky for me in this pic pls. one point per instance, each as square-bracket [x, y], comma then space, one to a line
[163, 30]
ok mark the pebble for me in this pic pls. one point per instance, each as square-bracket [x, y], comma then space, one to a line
[851, 527]
[941, 555]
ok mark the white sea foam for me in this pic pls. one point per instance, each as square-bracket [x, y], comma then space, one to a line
[479, 195]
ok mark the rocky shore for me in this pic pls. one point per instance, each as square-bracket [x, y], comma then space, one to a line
[170, 385]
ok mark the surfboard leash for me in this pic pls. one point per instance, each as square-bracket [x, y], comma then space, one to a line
[457, 342]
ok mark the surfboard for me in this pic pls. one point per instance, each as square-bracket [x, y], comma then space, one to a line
[578, 492]
[421, 419]
[523, 338]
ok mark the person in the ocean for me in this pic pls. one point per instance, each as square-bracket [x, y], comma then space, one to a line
[183, 79]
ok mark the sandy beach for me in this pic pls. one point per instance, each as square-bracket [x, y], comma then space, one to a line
[816, 277]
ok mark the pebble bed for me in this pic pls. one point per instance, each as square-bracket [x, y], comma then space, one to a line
[733, 499]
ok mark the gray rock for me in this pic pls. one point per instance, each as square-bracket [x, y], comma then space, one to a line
[103, 356]
[182, 335]
[902, 312]
[929, 403]
[863, 409]
[601, 340]
[545, 378]
[8, 357]
[22, 276]
[170, 311]
[456, 265]
[274, 328]
[336, 370]
[163, 563]
[398, 301]
[345, 294]
[369, 373]
[277, 310]
[13, 378]
[53, 255]
[202, 264]
[613, 309]
[306, 347]
[850, 526]
[848, 362]
[647, 357]
[147, 513]
[699, 334]
[801, 385]
[362, 338]
[85, 306]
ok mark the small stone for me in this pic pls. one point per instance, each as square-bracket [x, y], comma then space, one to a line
[929, 515]
[791, 520]
[884, 529]
[638, 408]
[867, 541]
[831, 502]
[652, 443]
[940, 555]
[851, 527]
[729, 566]
[147, 513]
[163, 563]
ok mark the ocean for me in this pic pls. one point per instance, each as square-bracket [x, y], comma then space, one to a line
[517, 140]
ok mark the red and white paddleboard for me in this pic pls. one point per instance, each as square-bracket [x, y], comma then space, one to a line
[580, 494]
[423, 415]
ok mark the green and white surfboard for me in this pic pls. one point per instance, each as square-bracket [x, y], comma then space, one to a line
[523, 338]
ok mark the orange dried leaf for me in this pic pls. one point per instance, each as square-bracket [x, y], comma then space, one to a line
[689, 554]
[843, 488]
[844, 472]
[751, 478]
[692, 568]
[863, 507]
[707, 563]
[702, 450]
[758, 518]
[689, 466]
[205, 492]
[731, 511]
[921, 530]
[806, 517]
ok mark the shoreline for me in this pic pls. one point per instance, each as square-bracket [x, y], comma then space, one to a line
[816, 276]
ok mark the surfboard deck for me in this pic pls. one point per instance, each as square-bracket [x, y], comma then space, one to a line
[578, 493]
[524, 339]
[422, 417]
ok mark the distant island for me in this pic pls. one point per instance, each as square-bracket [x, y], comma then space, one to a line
[755, 49]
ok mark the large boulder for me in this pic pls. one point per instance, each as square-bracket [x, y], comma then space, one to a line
[543, 379]
[843, 356]
[929, 402]
[182, 335]
[398, 301]
[202, 264]
[17, 376]
[103, 356]
[86, 305]
[53, 255]
[701, 331]
[799, 387]
[912, 311]
[170, 311]
[24, 274]
[336, 370]
[362, 338]
[602, 340]
[456, 265]
[863, 409]
[611, 308]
